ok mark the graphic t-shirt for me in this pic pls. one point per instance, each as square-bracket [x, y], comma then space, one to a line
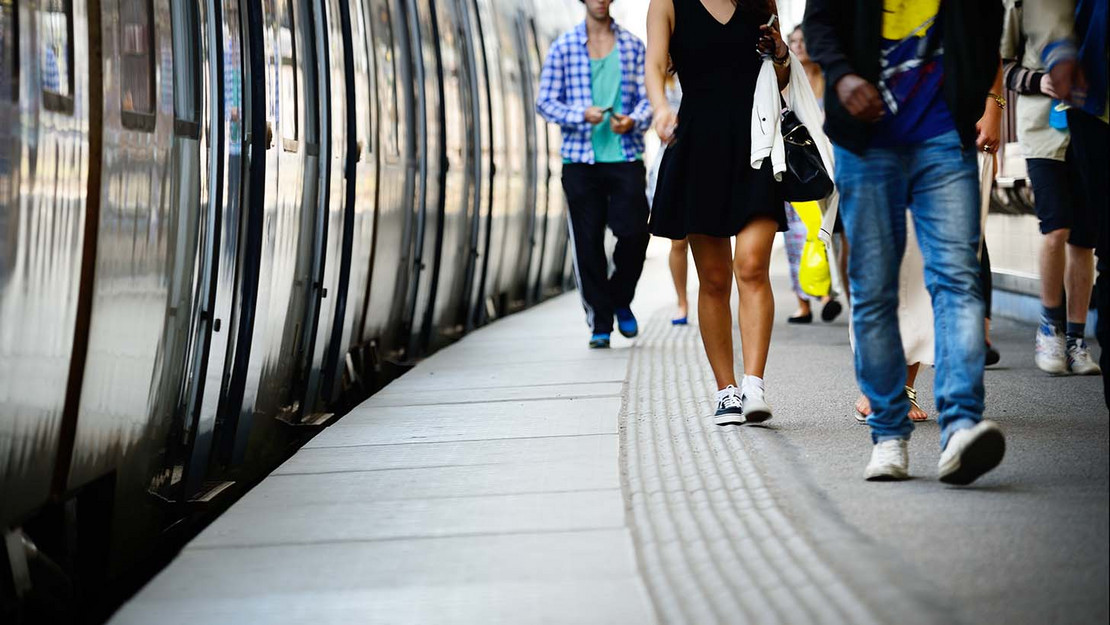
[605, 83]
[912, 74]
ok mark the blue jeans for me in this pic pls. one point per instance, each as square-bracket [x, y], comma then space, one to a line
[938, 181]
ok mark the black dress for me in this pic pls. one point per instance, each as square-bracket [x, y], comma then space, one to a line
[706, 183]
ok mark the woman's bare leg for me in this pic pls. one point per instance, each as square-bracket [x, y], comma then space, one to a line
[916, 413]
[679, 267]
[713, 261]
[757, 301]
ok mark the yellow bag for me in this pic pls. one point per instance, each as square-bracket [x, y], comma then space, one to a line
[813, 273]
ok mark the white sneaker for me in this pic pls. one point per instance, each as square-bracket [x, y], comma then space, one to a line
[756, 409]
[1050, 350]
[890, 460]
[971, 452]
[1080, 361]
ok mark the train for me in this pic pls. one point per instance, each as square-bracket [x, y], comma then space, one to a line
[224, 222]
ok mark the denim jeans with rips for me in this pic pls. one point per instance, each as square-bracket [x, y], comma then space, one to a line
[937, 180]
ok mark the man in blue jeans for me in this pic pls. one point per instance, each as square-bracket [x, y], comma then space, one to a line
[909, 80]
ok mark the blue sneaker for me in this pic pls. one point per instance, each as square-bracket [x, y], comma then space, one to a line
[599, 341]
[626, 322]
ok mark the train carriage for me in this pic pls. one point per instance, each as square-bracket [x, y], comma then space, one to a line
[222, 222]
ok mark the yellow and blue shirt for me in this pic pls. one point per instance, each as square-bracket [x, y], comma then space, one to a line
[912, 74]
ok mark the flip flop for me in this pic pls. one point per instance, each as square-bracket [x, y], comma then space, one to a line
[681, 321]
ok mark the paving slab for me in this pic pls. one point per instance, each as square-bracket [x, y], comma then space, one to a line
[504, 453]
[542, 418]
[507, 578]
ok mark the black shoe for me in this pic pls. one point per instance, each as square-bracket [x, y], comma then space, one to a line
[992, 355]
[831, 311]
[806, 318]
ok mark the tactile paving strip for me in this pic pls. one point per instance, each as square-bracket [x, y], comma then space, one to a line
[714, 545]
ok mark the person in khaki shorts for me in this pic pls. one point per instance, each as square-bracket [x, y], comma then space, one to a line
[1068, 223]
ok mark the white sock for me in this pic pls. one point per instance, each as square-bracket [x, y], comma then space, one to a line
[751, 381]
[725, 392]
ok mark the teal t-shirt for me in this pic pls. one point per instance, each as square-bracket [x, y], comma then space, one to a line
[605, 82]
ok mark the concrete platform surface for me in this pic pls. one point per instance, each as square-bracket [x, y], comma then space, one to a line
[517, 477]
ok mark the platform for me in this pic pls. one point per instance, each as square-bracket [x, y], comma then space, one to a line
[516, 477]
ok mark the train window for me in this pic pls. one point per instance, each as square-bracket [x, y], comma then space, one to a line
[362, 77]
[387, 79]
[186, 69]
[9, 50]
[136, 81]
[288, 59]
[56, 55]
[308, 73]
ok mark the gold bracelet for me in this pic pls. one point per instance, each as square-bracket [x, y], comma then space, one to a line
[999, 100]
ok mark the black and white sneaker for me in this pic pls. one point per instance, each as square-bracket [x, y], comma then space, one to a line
[729, 408]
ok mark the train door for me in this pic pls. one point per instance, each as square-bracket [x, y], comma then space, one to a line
[539, 168]
[556, 234]
[141, 288]
[363, 184]
[44, 218]
[482, 164]
[430, 156]
[460, 125]
[519, 146]
[191, 193]
[288, 223]
[490, 286]
[219, 83]
[334, 253]
[391, 272]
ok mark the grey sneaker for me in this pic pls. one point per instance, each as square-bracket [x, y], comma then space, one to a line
[1049, 352]
[1080, 361]
[890, 460]
[971, 452]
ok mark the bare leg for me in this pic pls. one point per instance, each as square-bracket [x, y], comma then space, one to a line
[863, 406]
[803, 308]
[713, 261]
[916, 413]
[1079, 277]
[679, 265]
[1052, 267]
[757, 301]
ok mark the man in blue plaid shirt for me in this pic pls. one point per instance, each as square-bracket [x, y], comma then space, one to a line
[592, 85]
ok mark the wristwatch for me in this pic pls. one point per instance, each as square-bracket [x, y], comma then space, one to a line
[999, 100]
[785, 60]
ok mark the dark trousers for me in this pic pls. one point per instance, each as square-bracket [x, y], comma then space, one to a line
[1089, 137]
[613, 195]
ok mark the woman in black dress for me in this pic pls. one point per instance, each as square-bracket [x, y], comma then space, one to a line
[707, 189]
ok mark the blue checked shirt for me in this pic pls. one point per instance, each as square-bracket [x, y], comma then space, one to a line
[565, 93]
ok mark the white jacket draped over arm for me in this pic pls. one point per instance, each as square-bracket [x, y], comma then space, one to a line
[767, 129]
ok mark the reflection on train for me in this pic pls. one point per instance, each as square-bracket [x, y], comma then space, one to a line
[223, 220]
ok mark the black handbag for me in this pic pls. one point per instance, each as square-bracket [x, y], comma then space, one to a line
[805, 178]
